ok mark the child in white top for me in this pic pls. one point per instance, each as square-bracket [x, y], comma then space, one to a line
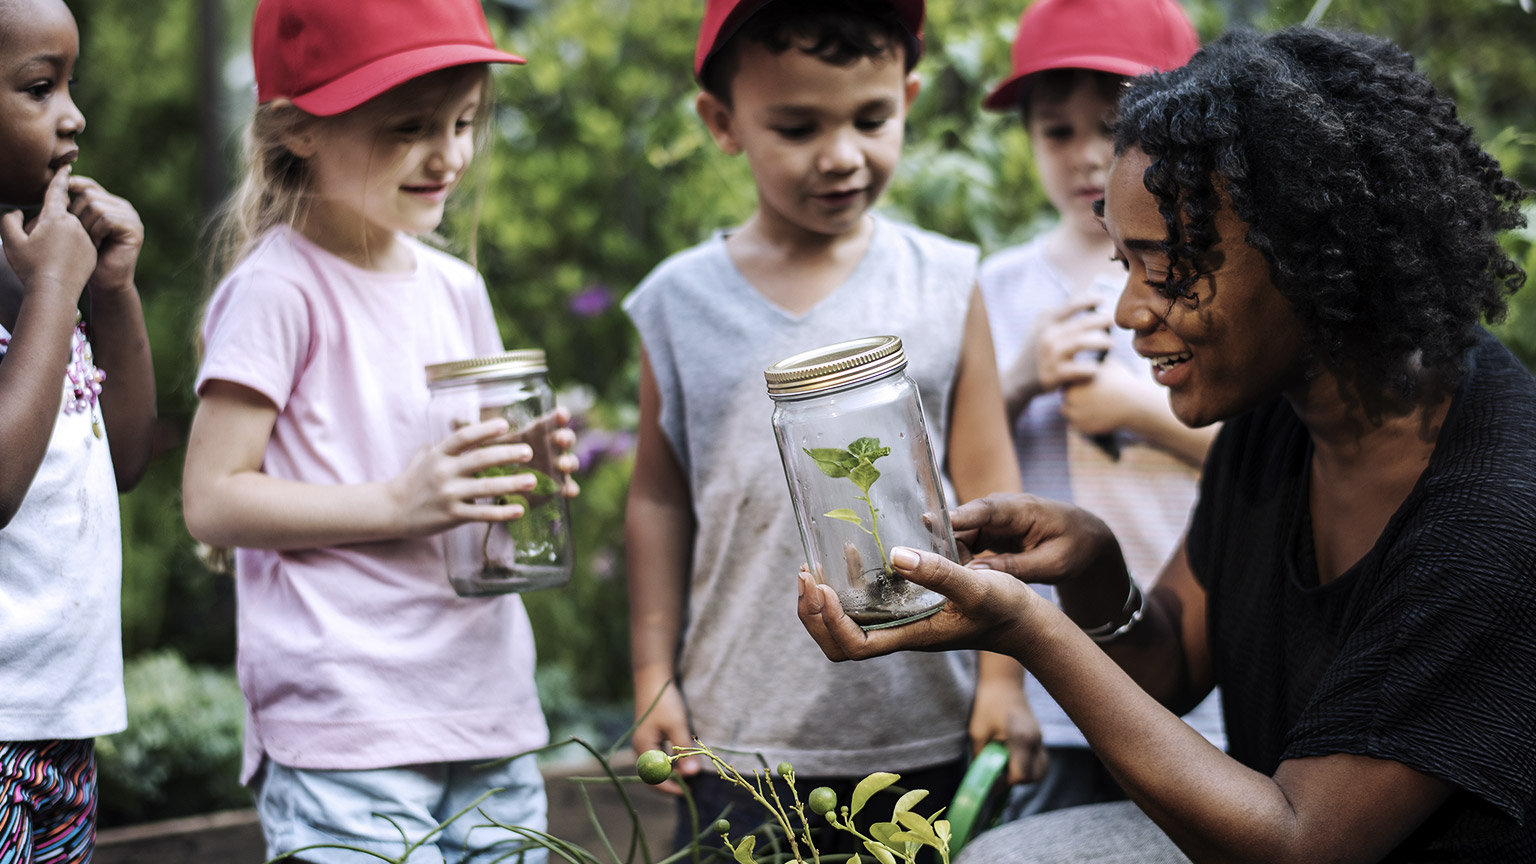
[66, 382]
[371, 687]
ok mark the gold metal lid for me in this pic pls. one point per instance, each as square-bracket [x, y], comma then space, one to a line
[834, 367]
[509, 365]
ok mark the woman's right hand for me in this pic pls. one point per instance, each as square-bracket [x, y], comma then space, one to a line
[1033, 539]
[438, 489]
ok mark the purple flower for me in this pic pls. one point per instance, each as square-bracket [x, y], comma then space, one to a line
[591, 301]
[594, 446]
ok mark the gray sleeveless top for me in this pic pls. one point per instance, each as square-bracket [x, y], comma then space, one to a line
[753, 679]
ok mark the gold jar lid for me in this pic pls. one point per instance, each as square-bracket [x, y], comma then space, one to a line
[834, 367]
[511, 364]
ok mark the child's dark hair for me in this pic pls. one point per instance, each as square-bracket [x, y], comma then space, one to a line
[1053, 86]
[1376, 209]
[839, 32]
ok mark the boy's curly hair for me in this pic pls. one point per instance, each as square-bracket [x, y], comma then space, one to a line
[839, 32]
[1377, 211]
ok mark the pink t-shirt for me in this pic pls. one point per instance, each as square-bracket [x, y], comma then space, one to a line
[362, 656]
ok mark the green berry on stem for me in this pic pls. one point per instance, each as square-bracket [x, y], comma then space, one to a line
[721, 827]
[786, 769]
[654, 767]
[822, 800]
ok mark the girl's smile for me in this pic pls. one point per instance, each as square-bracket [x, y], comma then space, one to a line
[388, 166]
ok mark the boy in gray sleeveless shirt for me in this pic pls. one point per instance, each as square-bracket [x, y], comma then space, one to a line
[815, 94]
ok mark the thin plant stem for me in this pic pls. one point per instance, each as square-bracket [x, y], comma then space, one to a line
[874, 530]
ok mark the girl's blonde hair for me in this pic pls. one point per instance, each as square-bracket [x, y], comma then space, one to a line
[275, 188]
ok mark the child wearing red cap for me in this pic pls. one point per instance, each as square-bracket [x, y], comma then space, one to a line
[371, 688]
[1086, 428]
[78, 397]
[814, 95]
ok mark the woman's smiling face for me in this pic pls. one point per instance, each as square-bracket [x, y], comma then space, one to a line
[1233, 341]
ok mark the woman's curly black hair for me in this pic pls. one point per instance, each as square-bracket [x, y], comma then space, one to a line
[1377, 211]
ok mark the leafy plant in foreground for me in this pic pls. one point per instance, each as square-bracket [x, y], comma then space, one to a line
[899, 840]
[857, 464]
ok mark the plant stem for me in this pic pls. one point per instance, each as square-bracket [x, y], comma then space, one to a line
[729, 773]
[874, 526]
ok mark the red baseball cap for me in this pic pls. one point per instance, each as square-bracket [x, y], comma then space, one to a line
[329, 56]
[722, 18]
[1125, 37]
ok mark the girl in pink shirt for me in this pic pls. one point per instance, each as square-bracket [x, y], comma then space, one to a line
[371, 688]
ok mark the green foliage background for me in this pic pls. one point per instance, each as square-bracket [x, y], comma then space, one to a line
[599, 170]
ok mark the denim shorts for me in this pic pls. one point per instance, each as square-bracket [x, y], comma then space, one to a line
[302, 808]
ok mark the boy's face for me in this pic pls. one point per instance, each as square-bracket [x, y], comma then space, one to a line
[390, 164]
[38, 119]
[1073, 149]
[822, 140]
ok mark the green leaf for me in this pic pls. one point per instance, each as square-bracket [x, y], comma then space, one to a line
[543, 483]
[743, 850]
[910, 800]
[941, 828]
[882, 854]
[867, 787]
[868, 448]
[882, 831]
[846, 515]
[832, 461]
[919, 827]
[864, 476]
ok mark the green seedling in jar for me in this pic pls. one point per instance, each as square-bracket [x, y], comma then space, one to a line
[857, 465]
[533, 541]
[530, 532]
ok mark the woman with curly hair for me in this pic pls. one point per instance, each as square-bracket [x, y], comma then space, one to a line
[1310, 236]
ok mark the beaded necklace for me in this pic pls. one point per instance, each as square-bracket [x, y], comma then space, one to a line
[82, 380]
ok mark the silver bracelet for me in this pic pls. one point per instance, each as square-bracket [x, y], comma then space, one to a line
[1135, 604]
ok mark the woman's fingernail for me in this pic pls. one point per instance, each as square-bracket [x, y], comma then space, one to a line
[904, 558]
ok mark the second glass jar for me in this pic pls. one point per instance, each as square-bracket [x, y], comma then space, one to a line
[530, 552]
[861, 473]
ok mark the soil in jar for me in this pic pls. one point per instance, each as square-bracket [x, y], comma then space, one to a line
[494, 579]
[885, 598]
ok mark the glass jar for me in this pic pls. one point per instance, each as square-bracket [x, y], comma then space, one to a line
[861, 473]
[530, 552]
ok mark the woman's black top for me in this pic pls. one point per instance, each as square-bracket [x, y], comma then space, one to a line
[1423, 652]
